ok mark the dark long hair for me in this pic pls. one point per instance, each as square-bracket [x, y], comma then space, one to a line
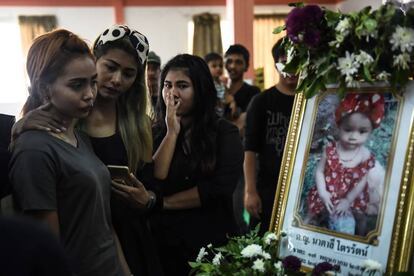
[203, 128]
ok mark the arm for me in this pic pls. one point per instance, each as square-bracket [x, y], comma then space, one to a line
[252, 201]
[164, 154]
[222, 182]
[51, 218]
[255, 131]
[375, 179]
[121, 256]
[346, 202]
[183, 200]
[321, 184]
[39, 119]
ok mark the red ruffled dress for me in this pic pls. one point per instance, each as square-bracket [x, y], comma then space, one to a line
[339, 181]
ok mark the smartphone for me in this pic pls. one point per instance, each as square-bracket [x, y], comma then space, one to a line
[119, 172]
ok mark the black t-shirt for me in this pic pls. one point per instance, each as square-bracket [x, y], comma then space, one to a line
[73, 182]
[242, 98]
[267, 122]
[130, 224]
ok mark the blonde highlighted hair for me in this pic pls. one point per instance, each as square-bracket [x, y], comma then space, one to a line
[134, 125]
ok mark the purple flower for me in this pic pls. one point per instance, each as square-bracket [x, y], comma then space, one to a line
[321, 268]
[302, 25]
[291, 263]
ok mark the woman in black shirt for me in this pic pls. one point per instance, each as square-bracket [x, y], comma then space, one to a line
[199, 158]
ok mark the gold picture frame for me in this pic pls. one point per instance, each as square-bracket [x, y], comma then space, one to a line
[391, 244]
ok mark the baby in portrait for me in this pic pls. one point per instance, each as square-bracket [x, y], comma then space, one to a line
[349, 179]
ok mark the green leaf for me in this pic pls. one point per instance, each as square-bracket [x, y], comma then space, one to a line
[279, 29]
[297, 4]
[314, 88]
[342, 89]
[370, 25]
[367, 74]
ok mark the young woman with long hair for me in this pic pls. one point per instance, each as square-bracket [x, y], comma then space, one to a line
[56, 177]
[199, 157]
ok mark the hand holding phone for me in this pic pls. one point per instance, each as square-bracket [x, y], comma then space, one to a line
[120, 173]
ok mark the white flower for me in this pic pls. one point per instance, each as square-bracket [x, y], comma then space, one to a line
[401, 61]
[383, 76]
[347, 65]
[335, 43]
[402, 39]
[251, 251]
[368, 35]
[266, 255]
[209, 245]
[217, 258]
[350, 82]
[343, 27]
[364, 58]
[371, 265]
[201, 254]
[258, 265]
[278, 265]
[270, 237]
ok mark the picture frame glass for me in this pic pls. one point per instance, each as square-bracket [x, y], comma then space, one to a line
[361, 175]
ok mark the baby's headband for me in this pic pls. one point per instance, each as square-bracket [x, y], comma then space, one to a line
[370, 104]
[138, 40]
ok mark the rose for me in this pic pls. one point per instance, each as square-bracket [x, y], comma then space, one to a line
[303, 24]
[291, 263]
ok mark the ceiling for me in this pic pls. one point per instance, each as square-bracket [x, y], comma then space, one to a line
[146, 2]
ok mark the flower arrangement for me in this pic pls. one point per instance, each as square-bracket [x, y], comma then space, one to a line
[326, 47]
[252, 255]
[371, 267]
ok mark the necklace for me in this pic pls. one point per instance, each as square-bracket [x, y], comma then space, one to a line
[350, 159]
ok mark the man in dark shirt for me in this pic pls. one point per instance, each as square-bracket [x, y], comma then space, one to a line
[237, 99]
[153, 76]
[267, 122]
[239, 93]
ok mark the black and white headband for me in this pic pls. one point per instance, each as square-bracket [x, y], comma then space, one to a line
[138, 40]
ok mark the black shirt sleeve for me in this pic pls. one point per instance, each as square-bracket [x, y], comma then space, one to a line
[255, 124]
[228, 168]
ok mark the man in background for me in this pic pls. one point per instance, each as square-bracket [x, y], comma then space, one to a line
[237, 98]
[153, 76]
[267, 122]
[239, 93]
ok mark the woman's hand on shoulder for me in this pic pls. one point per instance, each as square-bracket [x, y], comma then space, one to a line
[172, 120]
[38, 119]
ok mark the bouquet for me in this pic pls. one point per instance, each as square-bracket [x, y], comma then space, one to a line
[252, 255]
[326, 47]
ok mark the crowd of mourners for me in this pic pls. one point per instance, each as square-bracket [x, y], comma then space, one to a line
[199, 148]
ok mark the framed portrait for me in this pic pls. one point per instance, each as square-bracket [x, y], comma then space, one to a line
[345, 191]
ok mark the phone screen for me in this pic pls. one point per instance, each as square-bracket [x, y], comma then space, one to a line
[118, 172]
